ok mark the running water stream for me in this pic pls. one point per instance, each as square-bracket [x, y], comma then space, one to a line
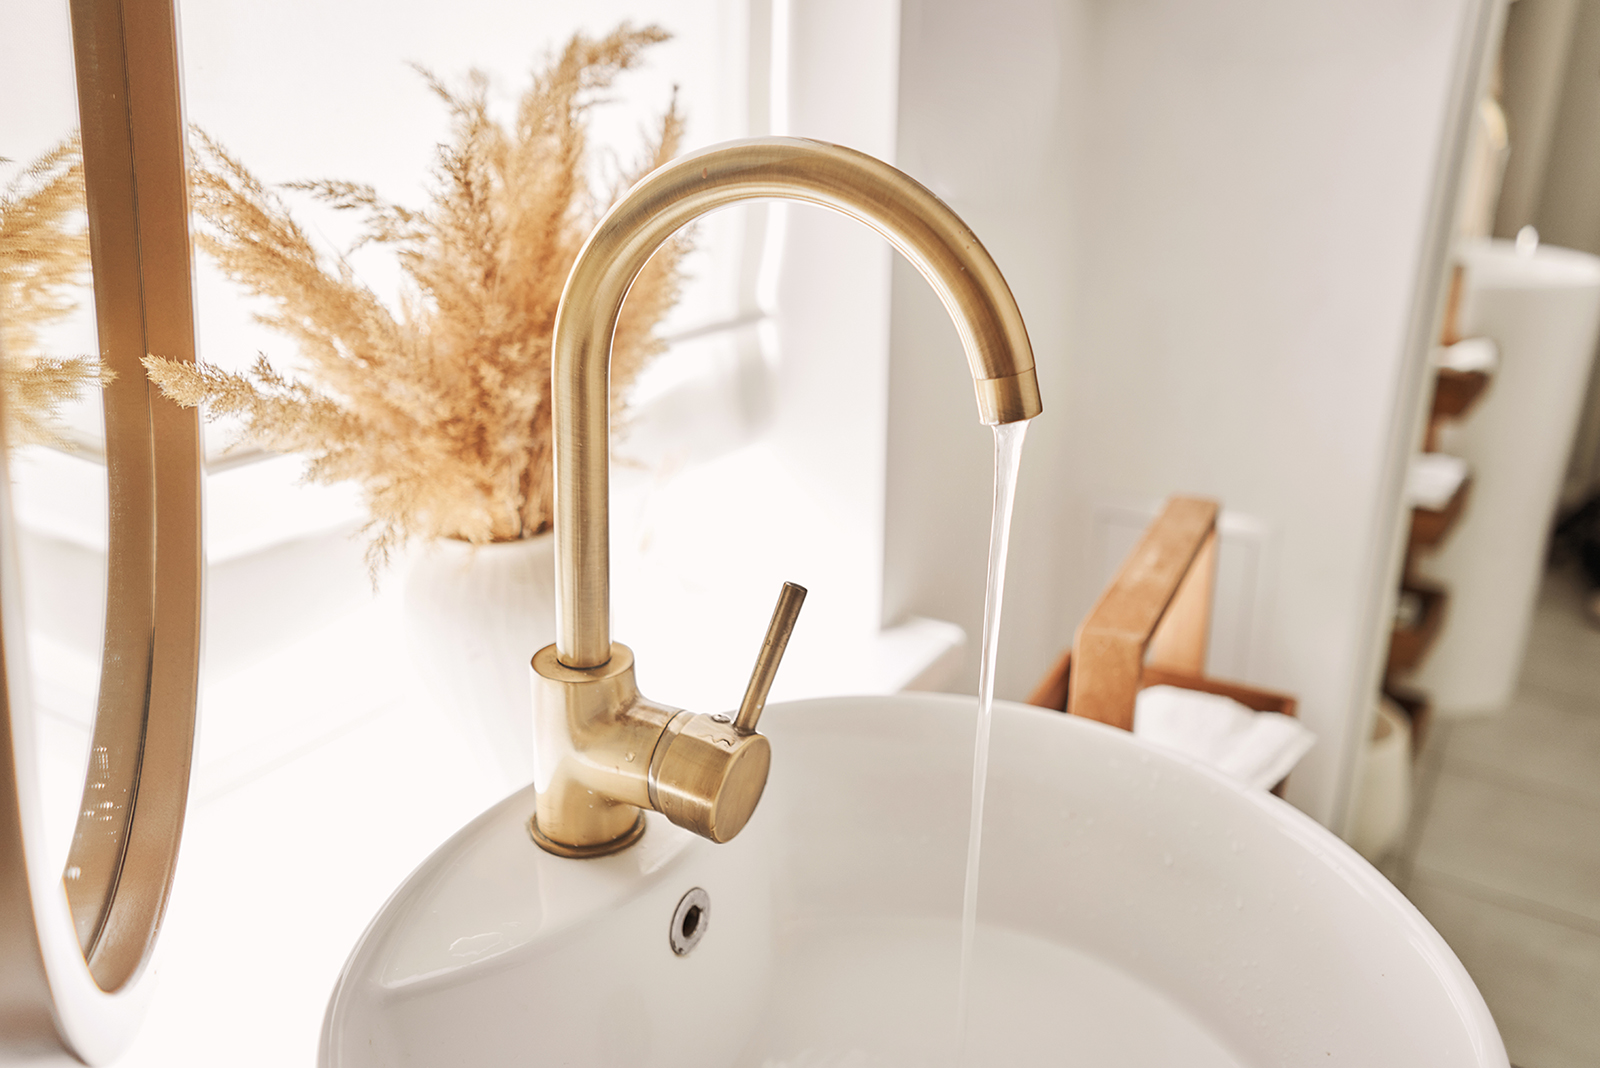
[1007, 461]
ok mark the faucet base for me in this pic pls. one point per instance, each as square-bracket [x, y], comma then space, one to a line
[586, 852]
[604, 754]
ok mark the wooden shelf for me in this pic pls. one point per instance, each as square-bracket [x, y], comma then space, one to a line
[1409, 644]
[1454, 392]
[1430, 527]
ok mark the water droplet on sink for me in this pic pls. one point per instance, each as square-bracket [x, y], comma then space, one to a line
[628, 757]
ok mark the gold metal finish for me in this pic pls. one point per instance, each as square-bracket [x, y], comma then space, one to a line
[784, 617]
[1008, 400]
[87, 974]
[604, 752]
[708, 776]
[594, 737]
[604, 849]
[144, 727]
[705, 773]
[916, 222]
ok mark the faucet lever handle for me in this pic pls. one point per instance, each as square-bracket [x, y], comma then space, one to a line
[772, 646]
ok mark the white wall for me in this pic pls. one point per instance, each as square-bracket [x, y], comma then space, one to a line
[1219, 220]
[832, 293]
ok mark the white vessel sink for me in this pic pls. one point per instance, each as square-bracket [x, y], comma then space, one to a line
[1135, 910]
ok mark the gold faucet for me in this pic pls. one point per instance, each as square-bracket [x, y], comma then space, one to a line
[604, 752]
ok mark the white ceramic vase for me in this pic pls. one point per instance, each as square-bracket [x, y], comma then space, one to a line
[475, 615]
[1383, 798]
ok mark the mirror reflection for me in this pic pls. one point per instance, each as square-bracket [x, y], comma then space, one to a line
[54, 422]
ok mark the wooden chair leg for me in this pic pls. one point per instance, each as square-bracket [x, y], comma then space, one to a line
[1158, 603]
[1181, 639]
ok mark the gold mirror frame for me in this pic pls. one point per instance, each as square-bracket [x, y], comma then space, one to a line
[74, 945]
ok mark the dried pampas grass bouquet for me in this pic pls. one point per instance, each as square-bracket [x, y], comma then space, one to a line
[44, 262]
[440, 408]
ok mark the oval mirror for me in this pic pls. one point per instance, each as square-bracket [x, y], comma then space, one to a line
[100, 552]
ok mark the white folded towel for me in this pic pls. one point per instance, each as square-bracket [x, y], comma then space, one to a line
[1433, 479]
[1470, 354]
[1258, 748]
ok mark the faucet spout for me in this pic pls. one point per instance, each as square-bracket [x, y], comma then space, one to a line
[930, 235]
[603, 752]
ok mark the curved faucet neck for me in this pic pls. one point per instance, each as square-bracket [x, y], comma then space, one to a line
[915, 221]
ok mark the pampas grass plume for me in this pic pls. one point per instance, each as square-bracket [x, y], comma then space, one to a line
[440, 408]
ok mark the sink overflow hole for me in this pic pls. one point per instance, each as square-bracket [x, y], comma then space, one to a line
[689, 921]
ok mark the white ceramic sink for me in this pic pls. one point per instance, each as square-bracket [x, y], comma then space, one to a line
[1135, 910]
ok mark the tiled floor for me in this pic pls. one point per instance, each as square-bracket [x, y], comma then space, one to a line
[1503, 851]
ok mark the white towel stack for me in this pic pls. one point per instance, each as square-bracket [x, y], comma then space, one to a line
[1433, 479]
[1471, 354]
[1258, 748]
